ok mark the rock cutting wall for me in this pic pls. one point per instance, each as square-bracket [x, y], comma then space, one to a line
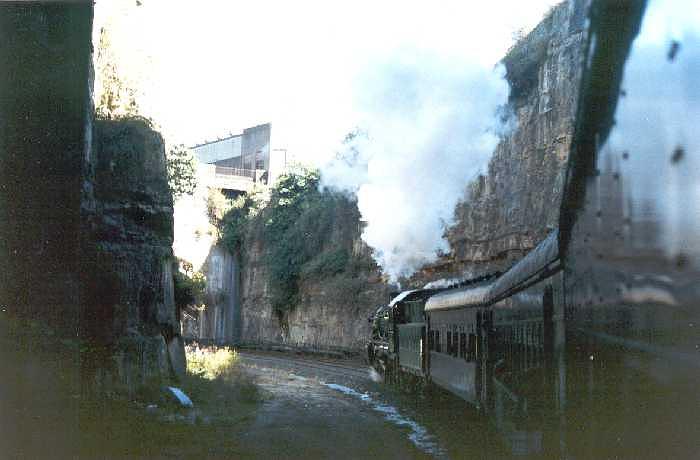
[85, 220]
[220, 321]
[129, 297]
[334, 314]
[505, 213]
[45, 112]
[511, 209]
[333, 310]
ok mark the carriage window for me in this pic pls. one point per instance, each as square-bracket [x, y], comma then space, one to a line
[449, 342]
[437, 341]
[462, 345]
[472, 348]
[455, 341]
[455, 344]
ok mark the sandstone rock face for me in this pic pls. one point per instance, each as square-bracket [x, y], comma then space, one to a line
[333, 310]
[44, 124]
[221, 318]
[258, 322]
[511, 209]
[334, 313]
[85, 221]
[505, 213]
[130, 305]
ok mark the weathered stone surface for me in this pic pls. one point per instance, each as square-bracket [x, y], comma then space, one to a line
[258, 323]
[45, 113]
[176, 356]
[130, 307]
[505, 213]
[85, 221]
[333, 310]
[334, 313]
[221, 318]
[510, 210]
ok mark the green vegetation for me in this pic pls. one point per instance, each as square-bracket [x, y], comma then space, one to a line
[224, 399]
[306, 234]
[295, 223]
[45, 397]
[116, 98]
[182, 170]
[240, 215]
[328, 263]
[190, 286]
[210, 363]
[218, 366]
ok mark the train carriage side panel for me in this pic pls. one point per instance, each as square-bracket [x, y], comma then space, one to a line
[524, 331]
[453, 340]
[630, 226]
[527, 334]
[411, 342]
[408, 342]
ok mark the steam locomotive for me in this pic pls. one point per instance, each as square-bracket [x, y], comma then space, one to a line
[589, 346]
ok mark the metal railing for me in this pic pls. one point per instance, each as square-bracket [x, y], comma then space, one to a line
[225, 171]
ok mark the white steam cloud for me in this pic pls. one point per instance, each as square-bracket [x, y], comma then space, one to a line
[429, 126]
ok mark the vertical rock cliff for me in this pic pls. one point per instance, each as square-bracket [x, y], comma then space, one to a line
[220, 321]
[333, 305]
[510, 210]
[504, 214]
[129, 298]
[85, 220]
[45, 112]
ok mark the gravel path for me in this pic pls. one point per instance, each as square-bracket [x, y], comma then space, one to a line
[325, 409]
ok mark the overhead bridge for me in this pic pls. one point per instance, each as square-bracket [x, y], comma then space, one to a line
[227, 178]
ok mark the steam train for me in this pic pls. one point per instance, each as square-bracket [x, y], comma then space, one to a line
[488, 340]
[589, 346]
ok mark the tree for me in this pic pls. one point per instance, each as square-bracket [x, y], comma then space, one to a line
[182, 171]
[116, 98]
[190, 286]
[217, 207]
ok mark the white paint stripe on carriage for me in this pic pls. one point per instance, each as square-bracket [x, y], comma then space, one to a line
[419, 436]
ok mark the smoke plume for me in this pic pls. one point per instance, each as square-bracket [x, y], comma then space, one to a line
[429, 126]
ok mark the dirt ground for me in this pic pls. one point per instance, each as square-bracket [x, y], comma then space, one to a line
[301, 407]
[321, 409]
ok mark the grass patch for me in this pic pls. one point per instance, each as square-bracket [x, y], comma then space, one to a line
[225, 399]
[46, 414]
[217, 370]
[210, 362]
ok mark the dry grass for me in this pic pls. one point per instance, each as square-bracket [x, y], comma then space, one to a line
[218, 369]
[46, 415]
[210, 362]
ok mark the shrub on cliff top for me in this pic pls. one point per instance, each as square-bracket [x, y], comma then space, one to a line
[297, 223]
[190, 286]
[182, 171]
[233, 224]
[298, 232]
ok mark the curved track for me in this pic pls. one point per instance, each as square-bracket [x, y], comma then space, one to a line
[301, 363]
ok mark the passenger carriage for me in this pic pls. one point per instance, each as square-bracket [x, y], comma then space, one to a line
[589, 345]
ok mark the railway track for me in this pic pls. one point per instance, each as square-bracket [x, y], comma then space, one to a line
[330, 368]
